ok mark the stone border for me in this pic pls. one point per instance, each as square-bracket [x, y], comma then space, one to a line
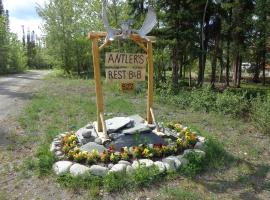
[170, 163]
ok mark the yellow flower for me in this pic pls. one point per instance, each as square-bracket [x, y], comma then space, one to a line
[146, 151]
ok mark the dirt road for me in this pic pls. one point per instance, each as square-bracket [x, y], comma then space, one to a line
[14, 92]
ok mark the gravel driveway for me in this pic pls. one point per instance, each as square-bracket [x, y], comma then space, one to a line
[14, 92]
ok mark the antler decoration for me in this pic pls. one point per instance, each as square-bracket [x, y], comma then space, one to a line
[125, 27]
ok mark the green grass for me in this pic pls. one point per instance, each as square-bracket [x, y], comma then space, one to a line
[64, 104]
[181, 194]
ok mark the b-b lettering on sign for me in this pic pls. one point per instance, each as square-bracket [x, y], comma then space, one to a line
[125, 74]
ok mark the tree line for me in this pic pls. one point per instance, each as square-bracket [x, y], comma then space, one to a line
[17, 55]
[206, 39]
[12, 58]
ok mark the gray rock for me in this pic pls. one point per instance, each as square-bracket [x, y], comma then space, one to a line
[137, 119]
[124, 162]
[90, 146]
[160, 166]
[116, 123]
[84, 140]
[59, 153]
[138, 128]
[87, 133]
[129, 169]
[78, 169]
[197, 151]
[98, 140]
[110, 165]
[52, 148]
[57, 139]
[57, 148]
[89, 126]
[170, 133]
[183, 160]
[118, 168]
[57, 142]
[177, 162]
[201, 138]
[61, 167]
[199, 145]
[98, 170]
[168, 167]
[135, 164]
[170, 164]
[138, 125]
[142, 162]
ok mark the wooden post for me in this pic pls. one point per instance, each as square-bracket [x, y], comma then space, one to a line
[99, 96]
[150, 82]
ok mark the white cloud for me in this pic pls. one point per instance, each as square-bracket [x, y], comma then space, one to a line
[23, 12]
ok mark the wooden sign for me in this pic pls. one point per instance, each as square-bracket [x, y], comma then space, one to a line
[125, 67]
[127, 86]
[125, 60]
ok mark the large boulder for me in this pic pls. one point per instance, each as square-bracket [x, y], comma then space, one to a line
[160, 165]
[142, 162]
[199, 145]
[78, 169]
[118, 168]
[124, 162]
[85, 135]
[116, 123]
[98, 170]
[172, 162]
[61, 167]
[139, 126]
[90, 146]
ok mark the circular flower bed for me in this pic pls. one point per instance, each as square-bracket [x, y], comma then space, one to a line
[67, 147]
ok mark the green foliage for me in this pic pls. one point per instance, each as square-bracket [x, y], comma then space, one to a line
[260, 114]
[202, 99]
[84, 181]
[45, 160]
[216, 156]
[145, 176]
[114, 182]
[194, 166]
[236, 105]
[67, 45]
[12, 55]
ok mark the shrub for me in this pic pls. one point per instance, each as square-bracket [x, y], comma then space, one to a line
[194, 166]
[260, 114]
[45, 160]
[203, 99]
[232, 104]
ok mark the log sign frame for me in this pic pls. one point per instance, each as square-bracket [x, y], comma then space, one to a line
[122, 67]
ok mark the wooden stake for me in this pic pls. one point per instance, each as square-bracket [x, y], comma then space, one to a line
[99, 96]
[150, 82]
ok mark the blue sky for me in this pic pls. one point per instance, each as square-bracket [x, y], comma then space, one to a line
[23, 12]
